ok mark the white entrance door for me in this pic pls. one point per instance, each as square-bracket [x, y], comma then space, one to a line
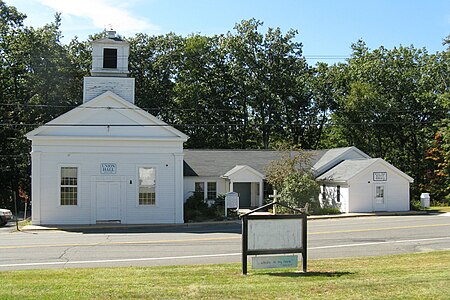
[379, 197]
[108, 201]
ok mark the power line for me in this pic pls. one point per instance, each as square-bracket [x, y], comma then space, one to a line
[82, 106]
[287, 125]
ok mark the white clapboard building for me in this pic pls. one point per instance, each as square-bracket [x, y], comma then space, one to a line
[107, 160]
[350, 179]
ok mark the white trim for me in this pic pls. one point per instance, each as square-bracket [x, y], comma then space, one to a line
[241, 168]
[205, 188]
[157, 184]
[385, 196]
[106, 70]
[36, 187]
[385, 164]
[151, 120]
[58, 185]
[103, 138]
[178, 186]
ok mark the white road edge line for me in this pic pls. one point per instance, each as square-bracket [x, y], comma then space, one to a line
[379, 243]
[204, 256]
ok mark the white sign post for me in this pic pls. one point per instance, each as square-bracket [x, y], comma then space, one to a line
[231, 201]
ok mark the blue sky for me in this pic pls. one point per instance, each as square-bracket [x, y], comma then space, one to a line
[326, 27]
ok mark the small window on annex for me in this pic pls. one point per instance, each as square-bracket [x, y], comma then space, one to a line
[109, 58]
[147, 185]
[199, 190]
[69, 186]
[212, 191]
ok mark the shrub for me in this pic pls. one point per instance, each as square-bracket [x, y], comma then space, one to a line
[300, 188]
[195, 209]
[327, 211]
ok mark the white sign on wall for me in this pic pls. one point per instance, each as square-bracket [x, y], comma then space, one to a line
[108, 168]
[379, 176]
[274, 234]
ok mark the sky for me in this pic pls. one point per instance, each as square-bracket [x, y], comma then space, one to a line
[326, 28]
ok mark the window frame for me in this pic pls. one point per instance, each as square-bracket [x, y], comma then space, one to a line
[207, 191]
[138, 185]
[202, 183]
[116, 62]
[60, 186]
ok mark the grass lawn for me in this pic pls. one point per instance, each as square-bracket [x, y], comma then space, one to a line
[440, 208]
[411, 276]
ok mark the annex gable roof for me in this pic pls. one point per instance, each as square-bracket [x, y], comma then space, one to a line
[216, 163]
[333, 157]
[243, 171]
[349, 169]
[107, 116]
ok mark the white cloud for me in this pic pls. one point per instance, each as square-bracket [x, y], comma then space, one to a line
[103, 14]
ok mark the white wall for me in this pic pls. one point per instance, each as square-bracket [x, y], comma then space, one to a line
[95, 86]
[45, 195]
[331, 197]
[189, 185]
[362, 186]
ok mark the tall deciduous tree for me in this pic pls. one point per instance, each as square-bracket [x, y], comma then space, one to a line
[389, 105]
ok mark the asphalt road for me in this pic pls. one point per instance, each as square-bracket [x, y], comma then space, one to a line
[171, 245]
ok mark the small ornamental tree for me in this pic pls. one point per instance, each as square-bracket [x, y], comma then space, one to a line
[438, 173]
[292, 176]
[300, 188]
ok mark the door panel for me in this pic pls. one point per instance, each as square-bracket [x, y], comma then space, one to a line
[379, 197]
[244, 189]
[108, 201]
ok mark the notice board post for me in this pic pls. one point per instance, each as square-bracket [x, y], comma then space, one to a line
[274, 234]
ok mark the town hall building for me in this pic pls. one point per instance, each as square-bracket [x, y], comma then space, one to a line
[108, 160]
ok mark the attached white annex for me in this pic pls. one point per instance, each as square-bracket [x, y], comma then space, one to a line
[107, 160]
[365, 185]
[350, 179]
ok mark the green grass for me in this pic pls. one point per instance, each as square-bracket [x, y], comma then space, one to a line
[440, 208]
[412, 276]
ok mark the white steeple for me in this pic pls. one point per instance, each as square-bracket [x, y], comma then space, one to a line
[109, 69]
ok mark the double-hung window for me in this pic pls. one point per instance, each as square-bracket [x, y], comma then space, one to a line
[69, 186]
[147, 186]
[199, 190]
[211, 193]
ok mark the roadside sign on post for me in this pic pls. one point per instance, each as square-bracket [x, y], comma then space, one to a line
[231, 201]
[274, 234]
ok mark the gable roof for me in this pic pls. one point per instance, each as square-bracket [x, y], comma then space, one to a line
[107, 116]
[346, 170]
[217, 162]
[332, 157]
[351, 168]
[243, 168]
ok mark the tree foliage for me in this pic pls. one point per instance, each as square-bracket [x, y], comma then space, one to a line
[291, 175]
[245, 89]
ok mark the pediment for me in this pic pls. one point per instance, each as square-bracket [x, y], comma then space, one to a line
[244, 173]
[108, 115]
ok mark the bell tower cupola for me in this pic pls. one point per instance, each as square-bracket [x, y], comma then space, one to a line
[109, 70]
[110, 56]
